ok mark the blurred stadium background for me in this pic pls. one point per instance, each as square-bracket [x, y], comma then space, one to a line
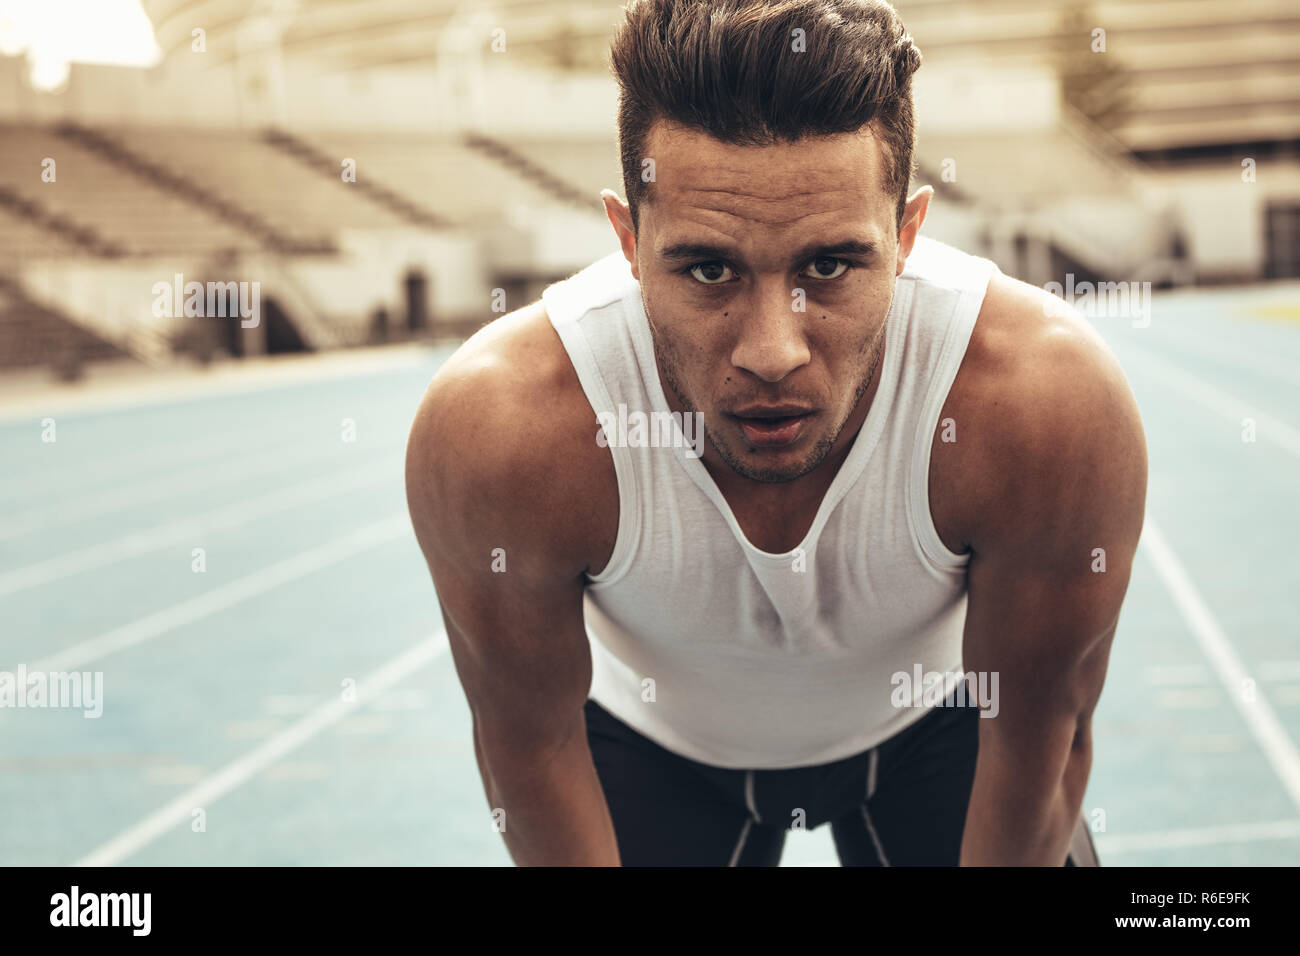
[394, 174]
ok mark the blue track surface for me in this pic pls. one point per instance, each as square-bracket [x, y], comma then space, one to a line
[224, 689]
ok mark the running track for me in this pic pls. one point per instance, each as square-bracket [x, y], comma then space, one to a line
[224, 689]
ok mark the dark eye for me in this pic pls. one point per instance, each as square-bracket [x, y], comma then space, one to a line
[828, 267]
[710, 273]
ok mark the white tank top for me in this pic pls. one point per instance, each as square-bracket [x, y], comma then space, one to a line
[730, 655]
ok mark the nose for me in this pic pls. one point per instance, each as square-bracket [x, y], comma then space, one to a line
[770, 340]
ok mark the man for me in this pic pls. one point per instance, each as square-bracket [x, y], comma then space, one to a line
[675, 650]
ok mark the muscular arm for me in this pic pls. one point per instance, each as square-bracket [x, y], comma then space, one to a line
[1065, 495]
[495, 515]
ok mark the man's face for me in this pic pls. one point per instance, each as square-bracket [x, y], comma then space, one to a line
[767, 274]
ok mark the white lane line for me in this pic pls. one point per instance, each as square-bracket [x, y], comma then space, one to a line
[218, 599]
[1197, 836]
[53, 514]
[160, 452]
[243, 769]
[1243, 690]
[22, 483]
[187, 530]
[247, 376]
[1267, 428]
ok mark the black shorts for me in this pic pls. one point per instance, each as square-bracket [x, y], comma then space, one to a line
[902, 803]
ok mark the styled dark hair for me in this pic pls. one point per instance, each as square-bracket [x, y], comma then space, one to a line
[739, 71]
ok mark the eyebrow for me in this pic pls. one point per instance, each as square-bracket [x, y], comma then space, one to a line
[680, 251]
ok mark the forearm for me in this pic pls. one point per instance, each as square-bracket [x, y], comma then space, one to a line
[554, 814]
[1017, 819]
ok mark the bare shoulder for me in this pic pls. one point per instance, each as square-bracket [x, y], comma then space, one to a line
[1047, 428]
[503, 445]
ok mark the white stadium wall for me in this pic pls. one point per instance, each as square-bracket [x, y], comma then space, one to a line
[1224, 214]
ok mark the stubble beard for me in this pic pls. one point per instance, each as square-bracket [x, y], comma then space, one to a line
[666, 360]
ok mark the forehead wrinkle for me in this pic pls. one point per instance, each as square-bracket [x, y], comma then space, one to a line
[837, 192]
[767, 184]
[784, 194]
[768, 212]
[774, 223]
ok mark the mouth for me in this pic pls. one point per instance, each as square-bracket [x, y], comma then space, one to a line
[772, 428]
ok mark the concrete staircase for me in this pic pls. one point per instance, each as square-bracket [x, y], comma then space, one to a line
[33, 335]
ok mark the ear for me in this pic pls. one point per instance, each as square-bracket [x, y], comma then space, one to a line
[620, 217]
[918, 204]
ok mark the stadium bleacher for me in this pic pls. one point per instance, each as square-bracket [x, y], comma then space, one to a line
[25, 231]
[1177, 79]
[465, 184]
[135, 214]
[239, 164]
